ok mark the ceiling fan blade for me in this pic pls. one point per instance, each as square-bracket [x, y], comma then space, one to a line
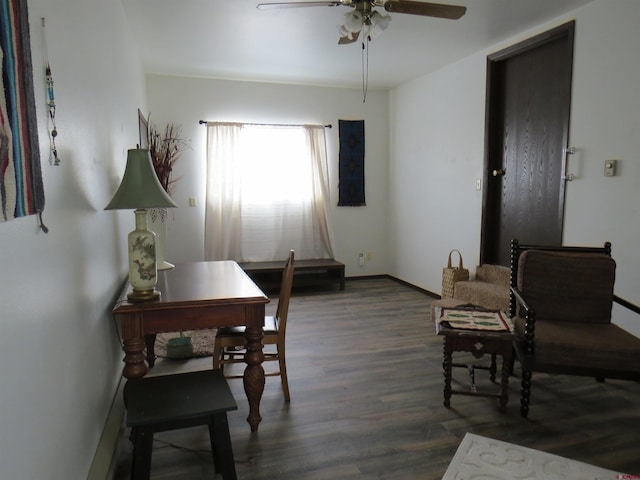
[270, 5]
[348, 39]
[452, 12]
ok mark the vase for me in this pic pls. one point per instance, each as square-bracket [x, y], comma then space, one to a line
[158, 224]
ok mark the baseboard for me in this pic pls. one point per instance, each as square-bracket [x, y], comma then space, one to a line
[104, 460]
[415, 287]
[386, 275]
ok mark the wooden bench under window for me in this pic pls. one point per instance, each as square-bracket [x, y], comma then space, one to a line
[315, 272]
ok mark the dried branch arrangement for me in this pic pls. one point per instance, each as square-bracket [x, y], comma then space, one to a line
[165, 149]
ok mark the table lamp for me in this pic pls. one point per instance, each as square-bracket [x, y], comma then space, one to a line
[140, 189]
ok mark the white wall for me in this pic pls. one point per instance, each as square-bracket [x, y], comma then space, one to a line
[605, 124]
[60, 359]
[437, 132]
[185, 101]
[437, 140]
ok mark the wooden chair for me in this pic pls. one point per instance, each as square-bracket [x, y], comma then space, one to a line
[229, 339]
[561, 304]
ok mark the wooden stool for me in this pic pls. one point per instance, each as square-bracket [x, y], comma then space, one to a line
[171, 402]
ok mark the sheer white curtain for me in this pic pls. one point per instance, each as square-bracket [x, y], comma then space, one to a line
[267, 192]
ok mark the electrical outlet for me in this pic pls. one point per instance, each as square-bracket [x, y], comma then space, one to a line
[361, 259]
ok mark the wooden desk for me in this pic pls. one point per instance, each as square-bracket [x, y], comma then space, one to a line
[194, 296]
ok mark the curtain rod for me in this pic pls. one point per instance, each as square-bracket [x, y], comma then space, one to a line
[204, 122]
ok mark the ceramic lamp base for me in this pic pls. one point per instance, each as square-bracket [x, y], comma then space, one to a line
[137, 296]
[143, 272]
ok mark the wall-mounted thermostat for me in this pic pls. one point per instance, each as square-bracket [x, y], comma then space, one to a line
[610, 168]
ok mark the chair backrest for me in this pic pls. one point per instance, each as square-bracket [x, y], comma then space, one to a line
[282, 311]
[566, 283]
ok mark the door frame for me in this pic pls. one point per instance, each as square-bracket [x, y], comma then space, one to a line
[493, 127]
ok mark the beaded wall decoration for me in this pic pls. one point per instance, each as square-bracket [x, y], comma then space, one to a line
[51, 102]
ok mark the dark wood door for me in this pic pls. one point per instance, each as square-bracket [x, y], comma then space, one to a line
[528, 106]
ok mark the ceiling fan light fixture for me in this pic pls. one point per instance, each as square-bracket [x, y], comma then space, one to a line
[353, 21]
[374, 32]
[380, 22]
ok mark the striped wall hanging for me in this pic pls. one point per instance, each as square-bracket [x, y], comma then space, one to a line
[21, 188]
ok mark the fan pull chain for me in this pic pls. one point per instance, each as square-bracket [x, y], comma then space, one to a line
[365, 66]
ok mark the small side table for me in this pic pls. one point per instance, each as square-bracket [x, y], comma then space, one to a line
[478, 343]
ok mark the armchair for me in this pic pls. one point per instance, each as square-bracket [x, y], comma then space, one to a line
[561, 302]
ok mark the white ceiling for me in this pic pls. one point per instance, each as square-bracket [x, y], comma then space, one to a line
[232, 39]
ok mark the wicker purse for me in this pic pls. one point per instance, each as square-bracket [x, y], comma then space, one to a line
[451, 275]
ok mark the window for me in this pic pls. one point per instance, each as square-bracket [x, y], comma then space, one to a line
[267, 192]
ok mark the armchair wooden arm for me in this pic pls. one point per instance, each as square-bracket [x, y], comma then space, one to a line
[526, 348]
[625, 303]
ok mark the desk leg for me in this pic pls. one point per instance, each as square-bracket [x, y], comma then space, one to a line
[446, 365]
[254, 373]
[133, 346]
[150, 342]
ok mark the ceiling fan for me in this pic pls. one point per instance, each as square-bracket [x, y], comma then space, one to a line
[364, 15]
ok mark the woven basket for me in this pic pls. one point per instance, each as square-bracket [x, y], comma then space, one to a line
[451, 275]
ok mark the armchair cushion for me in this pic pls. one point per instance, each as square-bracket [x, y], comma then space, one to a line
[489, 289]
[609, 347]
[493, 274]
[565, 287]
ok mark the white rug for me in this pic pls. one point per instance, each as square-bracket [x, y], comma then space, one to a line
[482, 458]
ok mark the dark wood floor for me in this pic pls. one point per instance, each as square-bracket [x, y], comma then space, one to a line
[365, 372]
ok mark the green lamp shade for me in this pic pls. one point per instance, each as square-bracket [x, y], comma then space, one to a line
[140, 187]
